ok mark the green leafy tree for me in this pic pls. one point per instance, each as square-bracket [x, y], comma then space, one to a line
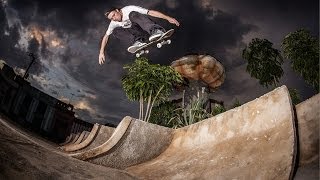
[295, 97]
[190, 114]
[303, 51]
[149, 83]
[162, 114]
[264, 62]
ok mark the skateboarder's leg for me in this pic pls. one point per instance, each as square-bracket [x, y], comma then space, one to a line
[144, 22]
[130, 35]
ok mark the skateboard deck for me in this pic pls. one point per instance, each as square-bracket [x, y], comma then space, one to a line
[164, 39]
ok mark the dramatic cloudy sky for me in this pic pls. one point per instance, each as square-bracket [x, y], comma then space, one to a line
[66, 37]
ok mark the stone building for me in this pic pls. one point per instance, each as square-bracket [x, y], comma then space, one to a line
[35, 109]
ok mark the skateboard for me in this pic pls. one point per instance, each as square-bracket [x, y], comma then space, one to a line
[164, 39]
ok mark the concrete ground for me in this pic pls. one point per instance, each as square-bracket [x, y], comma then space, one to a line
[20, 158]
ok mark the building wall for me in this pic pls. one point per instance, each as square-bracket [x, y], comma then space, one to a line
[35, 109]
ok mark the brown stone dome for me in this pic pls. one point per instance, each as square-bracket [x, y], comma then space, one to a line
[201, 67]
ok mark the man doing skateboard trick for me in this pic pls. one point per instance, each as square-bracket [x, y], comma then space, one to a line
[132, 23]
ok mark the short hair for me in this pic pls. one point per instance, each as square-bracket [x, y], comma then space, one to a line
[109, 10]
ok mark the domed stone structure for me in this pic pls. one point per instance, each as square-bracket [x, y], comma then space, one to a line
[201, 67]
[203, 73]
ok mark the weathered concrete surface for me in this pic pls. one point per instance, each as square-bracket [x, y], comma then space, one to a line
[253, 141]
[308, 116]
[112, 141]
[102, 135]
[23, 158]
[68, 140]
[138, 142]
[81, 137]
[76, 136]
[308, 172]
[86, 142]
[85, 136]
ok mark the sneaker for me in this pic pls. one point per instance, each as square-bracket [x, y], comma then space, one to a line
[157, 33]
[136, 46]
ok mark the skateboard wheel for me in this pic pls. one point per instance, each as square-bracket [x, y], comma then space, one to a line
[146, 51]
[159, 45]
[137, 55]
[169, 41]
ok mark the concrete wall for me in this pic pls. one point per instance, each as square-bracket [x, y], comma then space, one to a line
[140, 142]
[253, 141]
[308, 115]
[86, 142]
[103, 134]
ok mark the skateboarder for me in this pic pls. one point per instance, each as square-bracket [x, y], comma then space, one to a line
[132, 23]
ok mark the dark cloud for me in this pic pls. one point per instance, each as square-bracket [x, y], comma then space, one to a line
[9, 46]
[68, 86]
[55, 92]
[81, 96]
[33, 45]
[199, 34]
[285, 15]
[63, 16]
[9, 37]
[85, 114]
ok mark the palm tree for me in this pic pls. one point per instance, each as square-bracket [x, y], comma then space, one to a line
[264, 62]
[148, 82]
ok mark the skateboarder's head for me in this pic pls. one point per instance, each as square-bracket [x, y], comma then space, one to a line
[114, 14]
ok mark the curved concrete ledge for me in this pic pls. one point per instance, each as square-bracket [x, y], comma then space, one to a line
[86, 142]
[85, 136]
[103, 134]
[253, 141]
[142, 142]
[133, 142]
[76, 137]
[308, 116]
[68, 139]
[36, 159]
[116, 136]
[73, 138]
[81, 137]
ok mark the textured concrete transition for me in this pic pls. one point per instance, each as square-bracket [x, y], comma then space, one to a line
[266, 138]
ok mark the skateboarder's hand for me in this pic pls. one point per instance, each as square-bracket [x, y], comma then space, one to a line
[173, 21]
[101, 58]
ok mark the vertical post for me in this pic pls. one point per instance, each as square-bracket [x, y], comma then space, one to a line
[33, 58]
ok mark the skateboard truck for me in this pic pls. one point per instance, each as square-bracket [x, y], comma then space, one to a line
[164, 39]
[159, 45]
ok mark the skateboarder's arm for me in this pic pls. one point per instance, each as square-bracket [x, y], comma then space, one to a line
[102, 48]
[158, 14]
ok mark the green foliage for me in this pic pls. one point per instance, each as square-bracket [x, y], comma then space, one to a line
[218, 109]
[236, 104]
[264, 62]
[162, 114]
[192, 113]
[295, 97]
[149, 82]
[148, 78]
[303, 51]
